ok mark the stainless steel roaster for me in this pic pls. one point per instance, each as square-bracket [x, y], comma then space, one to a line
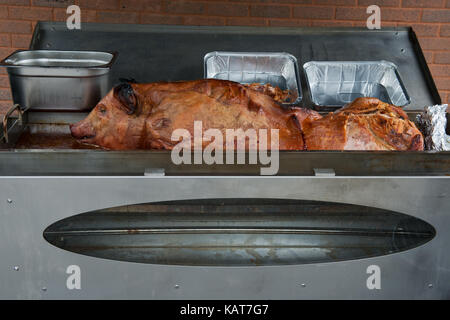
[86, 223]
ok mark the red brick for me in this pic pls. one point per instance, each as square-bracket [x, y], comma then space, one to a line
[391, 14]
[422, 3]
[29, 13]
[117, 17]
[4, 82]
[384, 24]
[53, 3]
[289, 23]
[440, 70]
[352, 14]
[251, 1]
[99, 4]
[246, 21]
[149, 18]
[313, 12]
[5, 40]
[15, 26]
[4, 52]
[442, 83]
[438, 15]
[435, 43]
[185, 7]
[422, 29]
[229, 9]
[208, 21]
[336, 2]
[442, 57]
[4, 107]
[16, 2]
[21, 41]
[445, 30]
[387, 14]
[428, 56]
[3, 12]
[448, 4]
[286, 1]
[5, 94]
[325, 23]
[86, 15]
[139, 5]
[270, 11]
[380, 3]
[272, 1]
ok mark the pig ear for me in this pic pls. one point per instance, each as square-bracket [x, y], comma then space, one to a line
[125, 94]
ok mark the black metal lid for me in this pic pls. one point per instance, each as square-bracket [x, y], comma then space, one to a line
[152, 53]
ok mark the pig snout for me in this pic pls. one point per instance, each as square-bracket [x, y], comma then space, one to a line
[82, 130]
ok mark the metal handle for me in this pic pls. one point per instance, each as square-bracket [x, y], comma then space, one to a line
[6, 118]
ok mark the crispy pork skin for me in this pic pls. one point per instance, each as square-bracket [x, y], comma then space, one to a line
[144, 116]
[364, 124]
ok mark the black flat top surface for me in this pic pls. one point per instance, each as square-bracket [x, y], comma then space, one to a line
[150, 53]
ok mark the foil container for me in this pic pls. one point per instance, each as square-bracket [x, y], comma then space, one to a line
[277, 69]
[433, 122]
[336, 83]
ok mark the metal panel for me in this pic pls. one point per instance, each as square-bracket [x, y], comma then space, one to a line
[238, 232]
[170, 53]
[34, 162]
[29, 204]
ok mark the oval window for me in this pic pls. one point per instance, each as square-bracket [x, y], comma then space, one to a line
[238, 232]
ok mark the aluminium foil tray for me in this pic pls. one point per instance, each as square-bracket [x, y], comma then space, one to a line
[277, 69]
[336, 83]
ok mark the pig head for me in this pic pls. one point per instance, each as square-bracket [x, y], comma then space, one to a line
[116, 122]
[144, 116]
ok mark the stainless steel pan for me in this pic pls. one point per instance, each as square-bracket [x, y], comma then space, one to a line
[59, 80]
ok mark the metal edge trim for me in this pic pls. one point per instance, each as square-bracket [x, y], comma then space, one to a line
[113, 27]
[424, 65]
[108, 65]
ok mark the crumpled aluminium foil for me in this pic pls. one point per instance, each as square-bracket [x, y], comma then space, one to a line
[432, 122]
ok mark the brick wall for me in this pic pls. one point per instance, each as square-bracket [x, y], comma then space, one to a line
[429, 18]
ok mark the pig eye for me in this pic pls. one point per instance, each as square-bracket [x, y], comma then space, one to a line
[102, 109]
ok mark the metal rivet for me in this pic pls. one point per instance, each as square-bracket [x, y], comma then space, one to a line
[44, 288]
[402, 50]
[430, 286]
[16, 268]
[9, 200]
[177, 286]
[303, 285]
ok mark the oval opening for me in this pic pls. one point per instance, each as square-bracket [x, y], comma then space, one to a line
[238, 232]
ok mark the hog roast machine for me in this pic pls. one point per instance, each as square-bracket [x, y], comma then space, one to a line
[134, 225]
